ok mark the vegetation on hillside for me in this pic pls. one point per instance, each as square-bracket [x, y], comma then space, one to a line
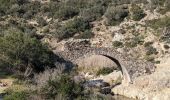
[24, 23]
[137, 13]
[115, 11]
[23, 53]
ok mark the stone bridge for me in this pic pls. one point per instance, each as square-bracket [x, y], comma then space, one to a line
[130, 67]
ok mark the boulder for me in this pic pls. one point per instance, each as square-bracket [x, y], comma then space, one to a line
[105, 90]
[96, 84]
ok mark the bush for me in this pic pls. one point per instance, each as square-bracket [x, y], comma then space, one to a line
[64, 86]
[88, 34]
[5, 5]
[130, 44]
[72, 27]
[117, 44]
[24, 53]
[151, 50]
[93, 13]
[41, 21]
[66, 12]
[159, 23]
[165, 7]
[166, 46]
[42, 78]
[149, 58]
[105, 71]
[165, 39]
[115, 15]
[147, 44]
[16, 96]
[136, 12]
[133, 42]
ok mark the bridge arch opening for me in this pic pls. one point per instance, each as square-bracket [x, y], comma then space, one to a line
[120, 67]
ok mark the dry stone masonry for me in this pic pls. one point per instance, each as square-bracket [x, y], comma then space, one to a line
[130, 67]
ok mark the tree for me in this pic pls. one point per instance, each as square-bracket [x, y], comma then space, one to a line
[24, 53]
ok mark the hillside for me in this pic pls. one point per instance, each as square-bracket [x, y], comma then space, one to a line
[49, 45]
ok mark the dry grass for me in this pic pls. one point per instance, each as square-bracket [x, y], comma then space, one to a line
[9, 83]
[42, 78]
[94, 63]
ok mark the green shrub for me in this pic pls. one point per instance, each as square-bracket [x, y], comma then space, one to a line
[72, 27]
[151, 50]
[121, 2]
[159, 23]
[140, 1]
[16, 96]
[133, 42]
[64, 86]
[93, 13]
[115, 15]
[88, 34]
[166, 46]
[5, 5]
[66, 12]
[165, 39]
[157, 62]
[156, 3]
[41, 21]
[22, 52]
[105, 71]
[136, 12]
[149, 58]
[117, 44]
[165, 7]
[130, 44]
[147, 44]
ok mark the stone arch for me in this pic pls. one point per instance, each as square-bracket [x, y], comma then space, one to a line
[131, 67]
[126, 76]
[124, 71]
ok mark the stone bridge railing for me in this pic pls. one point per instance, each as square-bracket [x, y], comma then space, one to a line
[131, 68]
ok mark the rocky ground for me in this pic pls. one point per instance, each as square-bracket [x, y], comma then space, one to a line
[151, 87]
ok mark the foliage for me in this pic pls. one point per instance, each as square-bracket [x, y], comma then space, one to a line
[117, 44]
[93, 13]
[151, 50]
[66, 12]
[115, 15]
[72, 27]
[165, 7]
[64, 86]
[166, 46]
[86, 35]
[16, 96]
[136, 12]
[6, 4]
[41, 21]
[149, 58]
[104, 71]
[159, 23]
[133, 42]
[147, 44]
[20, 51]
